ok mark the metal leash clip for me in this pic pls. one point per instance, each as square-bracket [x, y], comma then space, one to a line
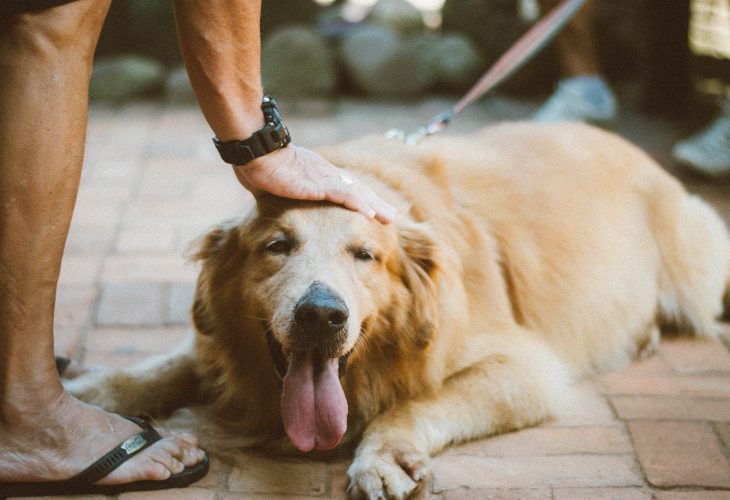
[438, 123]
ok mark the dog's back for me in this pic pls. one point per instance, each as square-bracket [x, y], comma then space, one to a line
[598, 245]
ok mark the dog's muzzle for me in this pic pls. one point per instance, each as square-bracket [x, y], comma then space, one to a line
[320, 321]
[319, 327]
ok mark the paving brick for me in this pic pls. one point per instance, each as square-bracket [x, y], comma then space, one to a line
[143, 239]
[550, 441]
[338, 478]
[490, 494]
[92, 211]
[79, 271]
[100, 187]
[175, 213]
[137, 340]
[148, 269]
[73, 305]
[217, 476]
[66, 340]
[189, 493]
[73, 308]
[254, 474]
[671, 408]
[655, 365]
[88, 240]
[115, 360]
[674, 454]
[451, 472]
[105, 189]
[269, 496]
[131, 304]
[723, 430]
[601, 494]
[692, 495]
[709, 386]
[221, 186]
[179, 303]
[692, 356]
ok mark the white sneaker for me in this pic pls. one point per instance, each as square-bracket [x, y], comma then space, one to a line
[708, 152]
[580, 99]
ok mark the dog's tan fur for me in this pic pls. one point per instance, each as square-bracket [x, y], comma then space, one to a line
[522, 256]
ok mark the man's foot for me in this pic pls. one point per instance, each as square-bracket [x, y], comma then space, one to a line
[65, 438]
[580, 99]
[708, 152]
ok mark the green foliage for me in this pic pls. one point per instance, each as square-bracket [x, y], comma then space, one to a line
[297, 61]
[399, 16]
[120, 78]
[381, 64]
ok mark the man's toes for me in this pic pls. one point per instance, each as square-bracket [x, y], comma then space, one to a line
[189, 438]
[192, 456]
[182, 450]
[140, 468]
[169, 456]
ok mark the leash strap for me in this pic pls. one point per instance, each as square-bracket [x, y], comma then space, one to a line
[528, 45]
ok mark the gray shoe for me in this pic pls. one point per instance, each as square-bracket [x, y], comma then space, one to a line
[707, 152]
[581, 99]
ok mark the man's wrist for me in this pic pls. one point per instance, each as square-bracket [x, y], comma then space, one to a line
[271, 137]
[241, 113]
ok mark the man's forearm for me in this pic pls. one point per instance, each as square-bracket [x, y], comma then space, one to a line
[220, 44]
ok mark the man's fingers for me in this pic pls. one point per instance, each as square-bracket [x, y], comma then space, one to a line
[382, 210]
[363, 200]
[345, 195]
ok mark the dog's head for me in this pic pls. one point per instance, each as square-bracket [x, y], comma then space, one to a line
[313, 281]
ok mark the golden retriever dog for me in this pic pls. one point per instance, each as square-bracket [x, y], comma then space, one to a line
[523, 256]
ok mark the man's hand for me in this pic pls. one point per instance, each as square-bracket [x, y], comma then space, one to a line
[296, 172]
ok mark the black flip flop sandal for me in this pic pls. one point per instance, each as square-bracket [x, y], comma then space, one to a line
[83, 482]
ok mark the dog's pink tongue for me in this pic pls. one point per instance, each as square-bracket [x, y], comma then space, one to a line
[313, 404]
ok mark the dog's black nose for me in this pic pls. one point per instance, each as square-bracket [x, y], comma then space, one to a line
[321, 310]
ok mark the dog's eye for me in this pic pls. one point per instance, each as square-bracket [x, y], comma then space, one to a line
[362, 254]
[279, 246]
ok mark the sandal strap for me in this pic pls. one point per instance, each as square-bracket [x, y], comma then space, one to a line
[118, 455]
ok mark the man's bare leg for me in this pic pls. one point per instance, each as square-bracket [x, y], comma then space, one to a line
[45, 434]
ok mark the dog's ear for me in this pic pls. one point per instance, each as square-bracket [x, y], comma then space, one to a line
[419, 257]
[220, 239]
[217, 250]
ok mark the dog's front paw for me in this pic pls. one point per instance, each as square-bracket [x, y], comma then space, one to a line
[391, 472]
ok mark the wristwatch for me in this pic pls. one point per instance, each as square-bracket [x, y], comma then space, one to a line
[274, 135]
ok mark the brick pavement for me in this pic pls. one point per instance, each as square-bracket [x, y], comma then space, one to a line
[659, 429]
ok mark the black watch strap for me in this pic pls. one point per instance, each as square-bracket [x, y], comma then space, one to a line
[274, 135]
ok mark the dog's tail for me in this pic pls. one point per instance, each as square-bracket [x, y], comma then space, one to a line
[695, 250]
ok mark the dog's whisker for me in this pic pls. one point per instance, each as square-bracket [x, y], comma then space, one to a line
[267, 321]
